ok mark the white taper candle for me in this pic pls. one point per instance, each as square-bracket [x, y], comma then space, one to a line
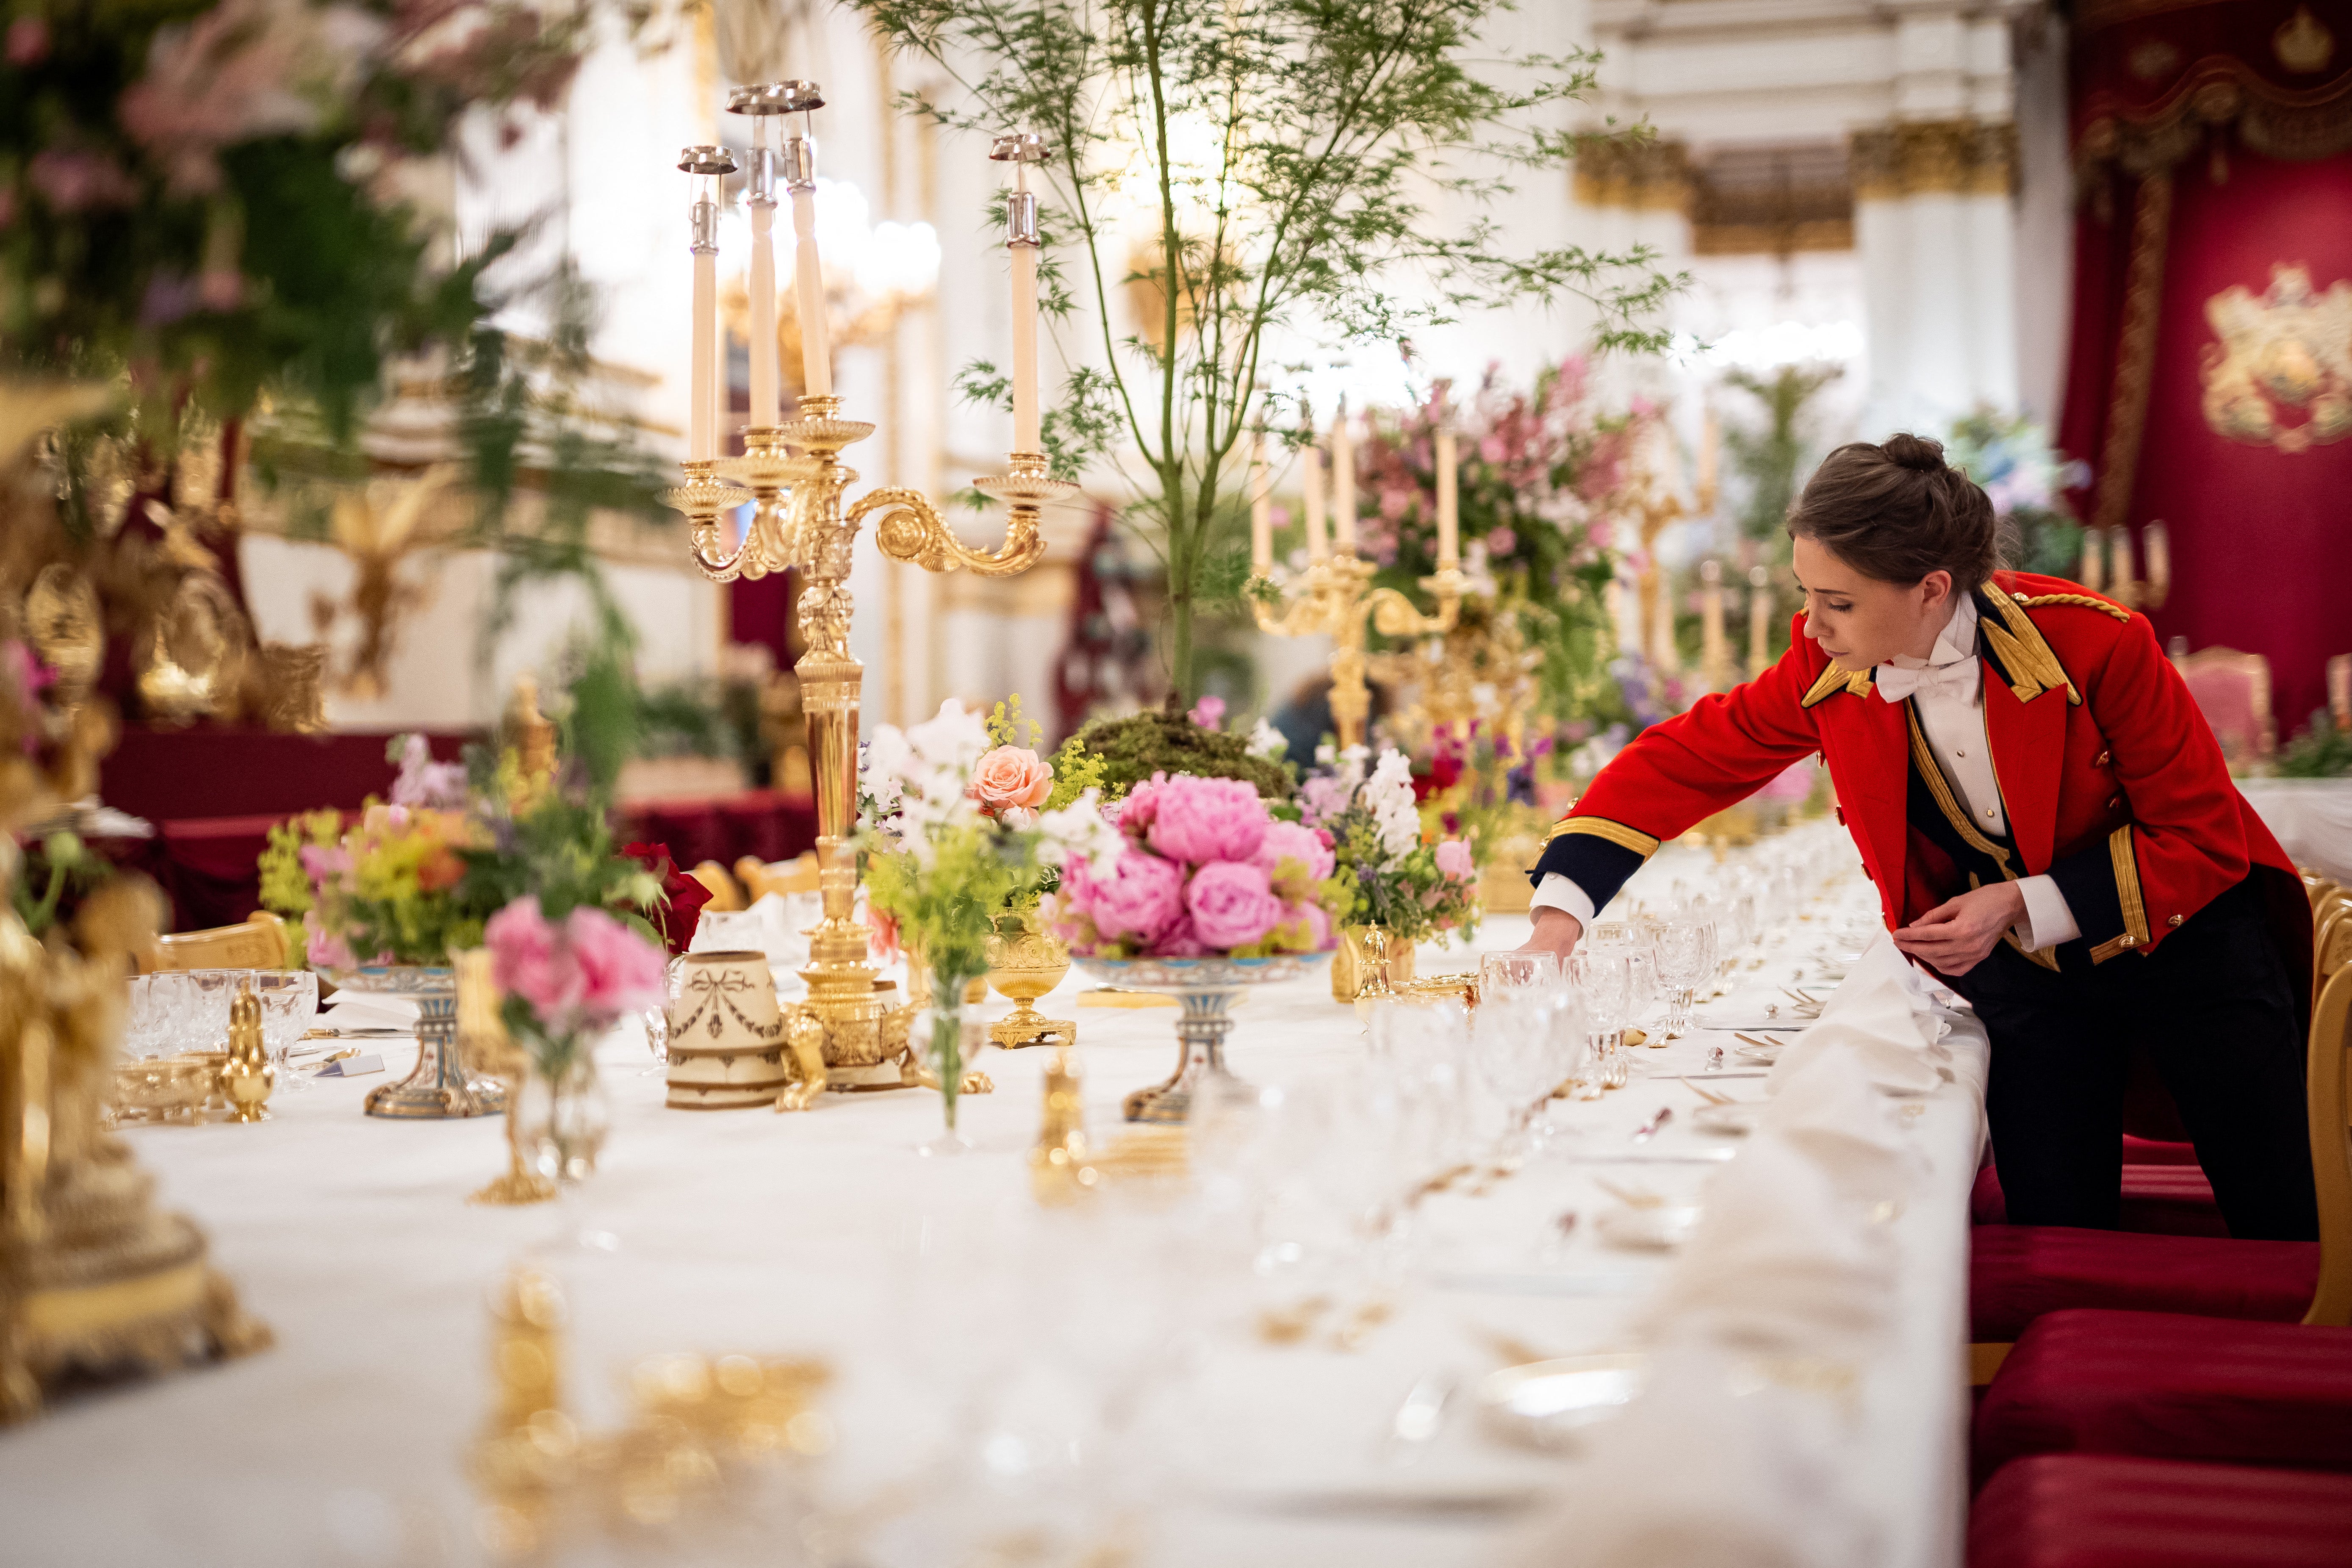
[1025, 435]
[702, 392]
[1343, 486]
[808, 285]
[1310, 484]
[1261, 505]
[765, 401]
[1449, 520]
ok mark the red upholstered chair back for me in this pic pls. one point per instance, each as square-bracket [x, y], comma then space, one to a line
[2331, 1140]
[2233, 692]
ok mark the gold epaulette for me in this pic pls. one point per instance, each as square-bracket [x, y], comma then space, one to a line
[2025, 657]
[2087, 601]
[1835, 680]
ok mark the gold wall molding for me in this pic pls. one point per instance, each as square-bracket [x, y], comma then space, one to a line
[1639, 176]
[1933, 157]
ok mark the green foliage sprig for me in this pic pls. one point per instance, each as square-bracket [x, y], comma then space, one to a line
[1128, 751]
[2320, 750]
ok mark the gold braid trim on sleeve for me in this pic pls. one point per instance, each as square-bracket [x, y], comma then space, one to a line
[2087, 601]
[1617, 833]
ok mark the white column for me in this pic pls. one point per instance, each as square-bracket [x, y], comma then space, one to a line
[1942, 303]
[1991, 230]
[1882, 236]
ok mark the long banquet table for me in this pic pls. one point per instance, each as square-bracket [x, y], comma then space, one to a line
[957, 1314]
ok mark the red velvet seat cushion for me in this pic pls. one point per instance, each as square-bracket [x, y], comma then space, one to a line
[2169, 1200]
[2017, 1272]
[2084, 1510]
[2165, 1385]
[2149, 1152]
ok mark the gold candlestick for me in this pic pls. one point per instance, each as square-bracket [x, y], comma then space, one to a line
[1336, 597]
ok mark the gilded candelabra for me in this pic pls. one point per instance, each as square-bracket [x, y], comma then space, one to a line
[1335, 595]
[794, 475]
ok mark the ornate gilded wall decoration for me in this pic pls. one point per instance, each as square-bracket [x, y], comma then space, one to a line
[378, 527]
[2281, 374]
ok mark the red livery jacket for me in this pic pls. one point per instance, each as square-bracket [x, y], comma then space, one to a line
[2111, 778]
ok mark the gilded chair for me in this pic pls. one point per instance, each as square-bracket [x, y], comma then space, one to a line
[725, 895]
[2316, 888]
[2233, 692]
[760, 878]
[2339, 690]
[260, 942]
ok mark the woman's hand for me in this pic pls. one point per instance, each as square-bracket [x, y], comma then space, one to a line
[1955, 936]
[1557, 933]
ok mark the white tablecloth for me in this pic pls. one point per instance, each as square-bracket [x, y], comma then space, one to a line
[823, 1232]
[2313, 819]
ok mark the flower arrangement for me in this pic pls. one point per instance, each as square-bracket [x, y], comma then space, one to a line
[1542, 472]
[566, 979]
[1394, 877]
[413, 879]
[1203, 868]
[959, 828]
[1480, 787]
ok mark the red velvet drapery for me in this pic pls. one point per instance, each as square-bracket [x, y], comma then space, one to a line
[2210, 380]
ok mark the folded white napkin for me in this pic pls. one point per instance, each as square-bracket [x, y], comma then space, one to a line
[358, 1010]
[1782, 1260]
[1830, 1109]
[1881, 1013]
[1774, 1458]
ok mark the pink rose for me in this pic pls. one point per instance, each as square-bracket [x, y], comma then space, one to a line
[1011, 776]
[1231, 904]
[1141, 897]
[527, 961]
[1201, 820]
[1455, 860]
[620, 972]
[1308, 849]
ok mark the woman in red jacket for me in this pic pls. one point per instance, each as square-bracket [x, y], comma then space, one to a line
[2050, 825]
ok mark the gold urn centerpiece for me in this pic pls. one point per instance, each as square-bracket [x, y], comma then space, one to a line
[1024, 962]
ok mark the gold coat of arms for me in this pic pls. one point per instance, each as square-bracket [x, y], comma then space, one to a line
[2282, 374]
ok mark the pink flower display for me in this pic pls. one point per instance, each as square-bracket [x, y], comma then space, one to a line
[1208, 712]
[583, 975]
[1455, 860]
[525, 960]
[1201, 820]
[1010, 778]
[620, 972]
[1306, 851]
[1141, 898]
[1207, 871]
[1231, 904]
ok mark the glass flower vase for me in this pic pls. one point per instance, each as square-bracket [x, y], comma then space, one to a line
[946, 1053]
[564, 1117]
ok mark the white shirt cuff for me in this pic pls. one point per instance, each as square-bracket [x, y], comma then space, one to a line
[1556, 892]
[2048, 921]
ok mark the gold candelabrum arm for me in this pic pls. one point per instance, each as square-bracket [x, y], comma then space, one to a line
[1296, 616]
[1394, 615]
[906, 527]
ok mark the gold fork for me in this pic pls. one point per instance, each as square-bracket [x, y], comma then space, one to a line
[1631, 1197]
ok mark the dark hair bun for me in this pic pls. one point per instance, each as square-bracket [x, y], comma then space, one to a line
[1915, 452]
[1899, 511]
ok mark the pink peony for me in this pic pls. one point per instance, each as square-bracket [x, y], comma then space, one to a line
[620, 972]
[1455, 860]
[1181, 940]
[1141, 898]
[1011, 776]
[1135, 813]
[528, 960]
[1231, 904]
[1306, 848]
[1317, 923]
[1201, 820]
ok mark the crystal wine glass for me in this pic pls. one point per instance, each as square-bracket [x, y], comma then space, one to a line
[1604, 978]
[1685, 945]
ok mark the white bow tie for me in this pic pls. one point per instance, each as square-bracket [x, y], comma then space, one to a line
[1957, 678]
